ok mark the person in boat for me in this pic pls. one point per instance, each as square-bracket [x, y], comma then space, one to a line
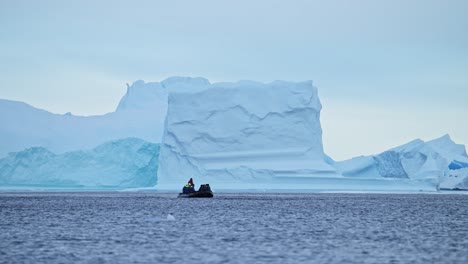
[204, 188]
[189, 187]
[190, 183]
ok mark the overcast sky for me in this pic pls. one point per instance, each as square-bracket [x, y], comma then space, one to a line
[387, 71]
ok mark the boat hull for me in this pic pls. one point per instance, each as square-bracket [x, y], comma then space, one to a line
[196, 195]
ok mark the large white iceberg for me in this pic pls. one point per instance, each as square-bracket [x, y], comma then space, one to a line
[244, 135]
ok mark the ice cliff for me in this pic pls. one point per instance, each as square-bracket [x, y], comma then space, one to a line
[124, 163]
[244, 134]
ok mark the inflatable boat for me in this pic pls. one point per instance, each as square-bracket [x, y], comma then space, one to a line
[203, 192]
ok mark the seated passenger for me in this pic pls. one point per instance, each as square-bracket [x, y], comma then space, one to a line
[190, 183]
[189, 187]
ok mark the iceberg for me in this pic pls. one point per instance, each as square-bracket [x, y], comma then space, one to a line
[244, 135]
[456, 173]
[429, 164]
[125, 163]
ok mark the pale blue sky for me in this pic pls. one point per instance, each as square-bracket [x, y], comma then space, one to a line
[387, 71]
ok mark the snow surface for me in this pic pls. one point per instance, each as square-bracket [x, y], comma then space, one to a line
[140, 114]
[124, 163]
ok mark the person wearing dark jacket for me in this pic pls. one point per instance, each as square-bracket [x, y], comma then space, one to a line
[190, 182]
[189, 187]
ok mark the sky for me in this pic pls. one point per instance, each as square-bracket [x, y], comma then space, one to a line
[387, 72]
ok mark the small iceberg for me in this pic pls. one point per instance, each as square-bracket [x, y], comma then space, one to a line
[170, 217]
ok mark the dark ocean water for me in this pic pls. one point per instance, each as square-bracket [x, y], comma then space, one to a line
[132, 227]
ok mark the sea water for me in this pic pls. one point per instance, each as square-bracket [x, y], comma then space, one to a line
[146, 227]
